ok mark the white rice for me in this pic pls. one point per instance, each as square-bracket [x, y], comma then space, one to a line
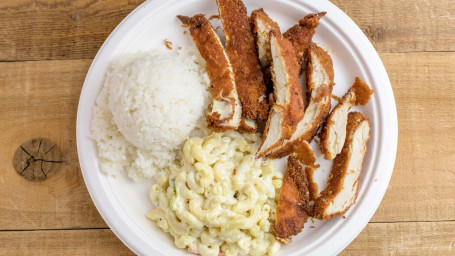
[149, 105]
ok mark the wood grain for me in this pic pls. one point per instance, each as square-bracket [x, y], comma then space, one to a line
[39, 99]
[403, 25]
[62, 242]
[412, 238]
[65, 29]
[422, 187]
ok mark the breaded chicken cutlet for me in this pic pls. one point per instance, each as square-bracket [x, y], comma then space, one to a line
[320, 78]
[225, 110]
[293, 204]
[333, 132]
[287, 110]
[241, 50]
[301, 34]
[262, 26]
[343, 183]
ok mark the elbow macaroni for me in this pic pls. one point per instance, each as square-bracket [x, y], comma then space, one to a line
[220, 199]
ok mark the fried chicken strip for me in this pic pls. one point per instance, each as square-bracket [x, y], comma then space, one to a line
[287, 94]
[293, 204]
[301, 34]
[343, 183]
[262, 26]
[319, 89]
[225, 110]
[333, 133]
[241, 50]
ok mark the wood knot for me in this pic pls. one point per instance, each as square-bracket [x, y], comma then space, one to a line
[37, 159]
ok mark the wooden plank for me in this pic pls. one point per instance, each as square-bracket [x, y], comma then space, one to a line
[68, 29]
[39, 99]
[404, 26]
[422, 183]
[414, 238]
[62, 242]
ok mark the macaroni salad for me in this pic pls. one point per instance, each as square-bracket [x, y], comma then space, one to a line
[219, 200]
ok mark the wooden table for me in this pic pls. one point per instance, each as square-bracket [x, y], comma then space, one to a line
[46, 48]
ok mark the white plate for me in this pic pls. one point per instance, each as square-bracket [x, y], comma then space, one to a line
[123, 203]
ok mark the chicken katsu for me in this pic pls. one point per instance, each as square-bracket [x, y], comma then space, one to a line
[225, 110]
[334, 131]
[293, 204]
[287, 95]
[241, 50]
[343, 183]
[262, 26]
[301, 34]
[320, 78]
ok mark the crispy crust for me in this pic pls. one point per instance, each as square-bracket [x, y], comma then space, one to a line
[305, 154]
[218, 68]
[246, 128]
[339, 170]
[292, 102]
[241, 50]
[362, 91]
[262, 38]
[323, 93]
[312, 185]
[295, 106]
[293, 204]
[283, 128]
[348, 99]
[301, 34]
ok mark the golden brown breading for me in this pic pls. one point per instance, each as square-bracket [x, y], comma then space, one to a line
[225, 111]
[287, 93]
[247, 126]
[333, 133]
[362, 91]
[262, 26]
[241, 50]
[346, 170]
[319, 89]
[293, 204]
[312, 185]
[301, 34]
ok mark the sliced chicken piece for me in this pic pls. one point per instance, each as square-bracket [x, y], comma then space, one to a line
[362, 91]
[247, 126]
[333, 133]
[262, 26]
[343, 183]
[241, 50]
[276, 130]
[225, 111]
[287, 94]
[293, 203]
[305, 154]
[301, 34]
[319, 89]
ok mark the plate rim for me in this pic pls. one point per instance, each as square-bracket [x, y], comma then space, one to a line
[118, 227]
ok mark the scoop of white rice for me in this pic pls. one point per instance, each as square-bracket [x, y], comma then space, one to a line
[149, 105]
